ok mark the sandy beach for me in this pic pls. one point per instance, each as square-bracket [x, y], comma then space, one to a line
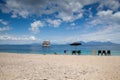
[58, 67]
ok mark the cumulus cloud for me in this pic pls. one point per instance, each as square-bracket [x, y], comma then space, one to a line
[65, 8]
[68, 8]
[3, 22]
[107, 14]
[109, 17]
[14, 15]
[26, 8]
[111, 4]
[103, 18]
[72, 24]
[35, 26]
[30, 7]
[22, 39]
[32, 38]
[69, 17]
[55, 23]
[15, 38]
[7, 28]
[109, 33]
[106, 27]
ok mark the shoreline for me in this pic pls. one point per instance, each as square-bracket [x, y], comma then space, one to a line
[14, 66]
[55, 54]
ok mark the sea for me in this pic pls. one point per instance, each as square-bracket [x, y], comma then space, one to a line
[59, 49]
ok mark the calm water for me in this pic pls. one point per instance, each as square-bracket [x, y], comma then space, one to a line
[37, 49]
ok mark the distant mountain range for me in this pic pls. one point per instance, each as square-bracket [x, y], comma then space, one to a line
[82, 42]
[98, 43]
[86, 43]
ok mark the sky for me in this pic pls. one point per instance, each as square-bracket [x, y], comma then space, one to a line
[59, 21]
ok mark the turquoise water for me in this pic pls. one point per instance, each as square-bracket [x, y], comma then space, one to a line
[37, 49]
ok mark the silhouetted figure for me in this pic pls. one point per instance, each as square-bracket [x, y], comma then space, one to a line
[99, 52]
[73, 52]
[65, 51]
[79, 52]
[108, 52]
[55, 53]
[104, 52]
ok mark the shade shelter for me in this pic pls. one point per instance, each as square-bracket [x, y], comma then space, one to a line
[76, 51]
[75, 44]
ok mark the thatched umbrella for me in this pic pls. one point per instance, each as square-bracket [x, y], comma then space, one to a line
[75, 44]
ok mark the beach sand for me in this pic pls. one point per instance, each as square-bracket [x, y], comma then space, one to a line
[58, 67]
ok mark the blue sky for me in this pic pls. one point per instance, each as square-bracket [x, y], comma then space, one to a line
[33, 21]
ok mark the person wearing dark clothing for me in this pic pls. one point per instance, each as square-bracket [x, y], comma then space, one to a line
[73, 52]
[79, 52]
[104, 52]
[99, 52]
[108, 52]
[65, 51]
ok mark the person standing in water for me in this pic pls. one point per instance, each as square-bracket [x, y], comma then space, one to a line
[65, 51]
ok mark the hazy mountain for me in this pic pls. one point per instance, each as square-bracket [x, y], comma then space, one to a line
[99, 43]
[92, 43]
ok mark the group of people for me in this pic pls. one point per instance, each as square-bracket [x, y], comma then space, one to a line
[100, 52]
[74, 52]
[104, 52]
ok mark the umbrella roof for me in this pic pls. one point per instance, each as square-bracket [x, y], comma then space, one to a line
[75, 44]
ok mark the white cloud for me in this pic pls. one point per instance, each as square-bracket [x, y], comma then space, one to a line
[111, 4]
[14, 16]
[4, 29]
[3, 22]
[116, 17]
[32, 38]
[65, 8]
[15, 38]
[22, 39]
[105, 26]
[56, 23]
[24, 14]
[94, 22]
[109, 33]
[109, 17]
[105, 13]
[35, 26]
[104, 18]
[69, 17]
[25, 8]
[109, 29]
[72, 24]
[5, 25]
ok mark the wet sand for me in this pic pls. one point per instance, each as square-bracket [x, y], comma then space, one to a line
[58, 67]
